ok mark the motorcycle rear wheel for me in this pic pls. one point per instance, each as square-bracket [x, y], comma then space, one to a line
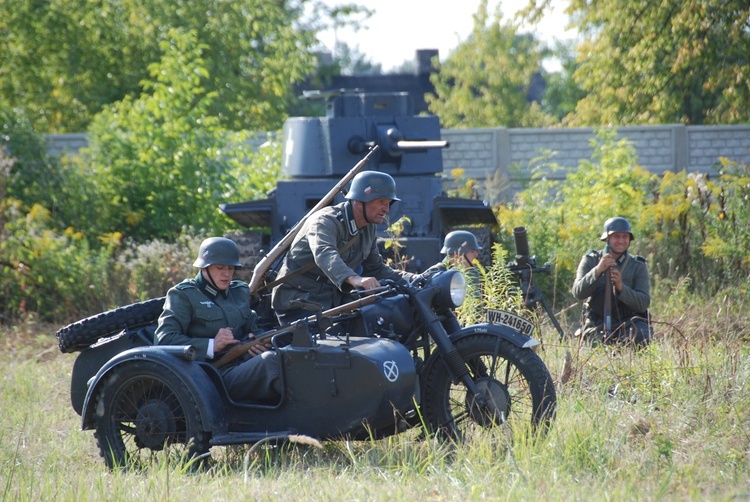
[514, 382]
[144, 412]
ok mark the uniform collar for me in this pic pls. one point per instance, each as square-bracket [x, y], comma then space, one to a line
[207, 288]
[351, 225]
[622, 258]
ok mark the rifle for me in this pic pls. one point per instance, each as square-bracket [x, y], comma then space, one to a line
[607, 299]
[238, 349]
[263, 265]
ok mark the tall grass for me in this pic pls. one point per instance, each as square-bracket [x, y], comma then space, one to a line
[671, 421]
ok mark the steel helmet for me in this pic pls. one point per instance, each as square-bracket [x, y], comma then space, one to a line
[371, 185]
[614, 225]
[460, 242]
[218, 251]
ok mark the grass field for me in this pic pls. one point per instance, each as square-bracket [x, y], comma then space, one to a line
[670, 422]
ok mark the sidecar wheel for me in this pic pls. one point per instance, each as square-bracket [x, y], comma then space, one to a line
[144, 412]
[84, 333]
[515, 384]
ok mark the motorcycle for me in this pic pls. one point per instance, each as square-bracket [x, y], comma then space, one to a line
[385, 363]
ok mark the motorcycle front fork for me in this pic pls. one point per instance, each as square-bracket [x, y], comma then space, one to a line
[452, 358]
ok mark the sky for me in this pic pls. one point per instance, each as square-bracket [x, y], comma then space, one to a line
[400, 27]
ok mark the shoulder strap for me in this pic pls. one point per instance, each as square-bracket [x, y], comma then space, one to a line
[625, 264]
[306, 268]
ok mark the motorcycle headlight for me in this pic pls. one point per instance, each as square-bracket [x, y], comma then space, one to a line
[452, 289]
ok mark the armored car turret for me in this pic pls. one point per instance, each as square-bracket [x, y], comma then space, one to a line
[318, 151]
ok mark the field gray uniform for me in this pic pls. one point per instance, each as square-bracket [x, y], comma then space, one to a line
[194, 312]
[633, 300]
[320, 239]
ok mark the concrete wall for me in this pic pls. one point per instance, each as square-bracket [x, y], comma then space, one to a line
[491, 153]
[484, 153]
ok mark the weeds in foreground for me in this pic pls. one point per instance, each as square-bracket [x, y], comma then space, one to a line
[670, 421]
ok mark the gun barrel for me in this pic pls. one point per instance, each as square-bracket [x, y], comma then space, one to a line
[407, 145]
[522, 243]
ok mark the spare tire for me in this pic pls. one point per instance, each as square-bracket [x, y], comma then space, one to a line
[84, 333]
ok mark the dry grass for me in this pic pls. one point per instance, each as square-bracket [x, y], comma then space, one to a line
[670, 422]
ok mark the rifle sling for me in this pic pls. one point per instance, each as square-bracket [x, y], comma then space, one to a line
[307, 267]
[607, 301]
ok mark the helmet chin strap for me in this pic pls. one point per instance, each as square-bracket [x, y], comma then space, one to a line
[211, 279]
[364, 211]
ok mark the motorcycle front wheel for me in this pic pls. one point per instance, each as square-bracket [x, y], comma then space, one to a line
[515, 388]
[143, 413]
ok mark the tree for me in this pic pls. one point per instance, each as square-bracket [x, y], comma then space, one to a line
[163, 162]
[486, 80]
[644, 62]
[562, 94]
[65, 60]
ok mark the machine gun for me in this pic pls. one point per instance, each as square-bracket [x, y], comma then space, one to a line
[524, 267]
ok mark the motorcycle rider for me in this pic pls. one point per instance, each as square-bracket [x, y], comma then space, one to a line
[339, 244]
[630, 288]
[212, 312]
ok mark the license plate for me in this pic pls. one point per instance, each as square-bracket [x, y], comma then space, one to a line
[510, 320]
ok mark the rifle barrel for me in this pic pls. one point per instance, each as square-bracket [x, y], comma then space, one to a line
[238, 349]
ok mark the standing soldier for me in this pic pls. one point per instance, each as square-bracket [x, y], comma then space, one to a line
[625, 319]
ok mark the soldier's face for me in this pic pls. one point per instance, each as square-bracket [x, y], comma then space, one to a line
[221, 274]
[378, 209]
[619, 242]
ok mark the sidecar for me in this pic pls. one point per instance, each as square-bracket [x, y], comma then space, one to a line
[141, 398]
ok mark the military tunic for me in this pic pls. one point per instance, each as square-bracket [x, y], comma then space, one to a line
[321, 239]
[633, 300]
[193, 314]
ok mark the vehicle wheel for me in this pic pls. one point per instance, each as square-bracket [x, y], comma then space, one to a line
[514, 382]
[84, 333]
[143, 409]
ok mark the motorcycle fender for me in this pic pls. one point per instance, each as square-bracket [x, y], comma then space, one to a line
[505, 332]
[203, 390]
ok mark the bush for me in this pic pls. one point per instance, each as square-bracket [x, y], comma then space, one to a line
[162, 162]
[693, 230]
[57, 277]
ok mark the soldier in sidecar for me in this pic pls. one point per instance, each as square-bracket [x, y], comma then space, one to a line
[212, 313]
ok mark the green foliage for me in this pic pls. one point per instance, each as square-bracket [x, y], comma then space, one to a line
[256, 170]
[34, 177]
[155, 167]
[686, 225]
[562, 93]
[45, 272]
[163, 162]
[56, 276]
[643, 62]
[564, 218]
[485, 82]
[64, 60]
[700, 226]
[141, 271]
[499, 289]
